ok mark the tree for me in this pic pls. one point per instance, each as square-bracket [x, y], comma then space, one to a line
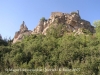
[56, 30]
[42, 19]
[97, 28]
[96, 23]
[0, 36]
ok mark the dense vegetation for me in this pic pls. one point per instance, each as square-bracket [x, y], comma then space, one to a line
[73, 55]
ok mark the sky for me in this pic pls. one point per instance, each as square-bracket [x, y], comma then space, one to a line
[14, 12]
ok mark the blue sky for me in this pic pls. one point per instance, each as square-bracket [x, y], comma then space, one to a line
[13, 12]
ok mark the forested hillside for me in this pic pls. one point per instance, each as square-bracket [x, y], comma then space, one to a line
[57, 53]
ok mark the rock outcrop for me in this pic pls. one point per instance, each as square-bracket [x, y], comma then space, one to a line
[72, 21]
[21, 33]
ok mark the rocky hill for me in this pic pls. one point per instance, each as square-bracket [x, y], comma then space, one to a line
[72, 20]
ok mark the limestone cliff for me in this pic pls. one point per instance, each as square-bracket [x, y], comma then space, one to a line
[72, 20]
[21, 33]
